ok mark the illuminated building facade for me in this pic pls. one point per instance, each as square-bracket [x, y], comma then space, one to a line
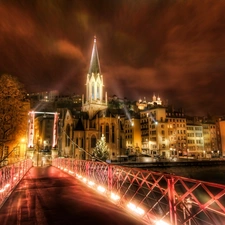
[177, 136]
[195, 141]
[211, 148]
[170, 134]
[154, 131]
[220, 129]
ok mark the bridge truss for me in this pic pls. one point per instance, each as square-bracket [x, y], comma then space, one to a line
[158, 198]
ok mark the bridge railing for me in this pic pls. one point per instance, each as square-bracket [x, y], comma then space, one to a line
[10, 176]
[157, 198]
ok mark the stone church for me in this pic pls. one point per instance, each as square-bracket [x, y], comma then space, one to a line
[79, 131]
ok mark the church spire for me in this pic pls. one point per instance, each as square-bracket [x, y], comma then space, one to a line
[94, 63]
[94, 86]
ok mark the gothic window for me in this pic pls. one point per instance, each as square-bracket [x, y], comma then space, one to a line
[67, 135]
[92, 90]
[98, 92]
[113, 134]
[93, 142]
[107, 133]
[82, 143]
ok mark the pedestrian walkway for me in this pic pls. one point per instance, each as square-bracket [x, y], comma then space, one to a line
[48, 196]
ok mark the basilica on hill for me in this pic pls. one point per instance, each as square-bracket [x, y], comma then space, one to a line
[130, 128]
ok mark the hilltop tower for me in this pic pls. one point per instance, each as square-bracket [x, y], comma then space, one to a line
[94, 102]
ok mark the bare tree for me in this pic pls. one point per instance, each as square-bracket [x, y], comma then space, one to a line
[13, 112]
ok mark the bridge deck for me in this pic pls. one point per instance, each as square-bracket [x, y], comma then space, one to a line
[46, 195]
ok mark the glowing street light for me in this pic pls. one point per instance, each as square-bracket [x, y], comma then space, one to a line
[161, 222]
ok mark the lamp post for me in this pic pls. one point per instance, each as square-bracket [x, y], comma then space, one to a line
[187, 153]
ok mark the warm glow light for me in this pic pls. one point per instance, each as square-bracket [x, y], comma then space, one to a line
[136, 209]
[3, 189]
[131, 206]
[160, 222]
[115, 197]
[79, 176]
[101, 189]
[140, 211]
[84, 180]
[90, 183]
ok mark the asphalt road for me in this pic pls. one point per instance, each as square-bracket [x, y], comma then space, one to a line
[48, 196]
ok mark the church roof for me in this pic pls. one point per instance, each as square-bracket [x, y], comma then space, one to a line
[79, 125]
[94, 63]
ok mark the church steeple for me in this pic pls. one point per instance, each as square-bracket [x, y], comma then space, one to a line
[94, 63]
[94, 86]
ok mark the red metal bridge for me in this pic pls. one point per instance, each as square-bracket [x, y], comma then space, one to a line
[147, 197]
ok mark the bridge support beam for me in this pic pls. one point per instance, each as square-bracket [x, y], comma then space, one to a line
[171, 191]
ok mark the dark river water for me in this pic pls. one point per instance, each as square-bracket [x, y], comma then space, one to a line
[214, 173]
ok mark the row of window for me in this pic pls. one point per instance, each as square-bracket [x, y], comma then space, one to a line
[153, 126]
[194, 134]
[207, 127]
[194, 128]
[195, 142]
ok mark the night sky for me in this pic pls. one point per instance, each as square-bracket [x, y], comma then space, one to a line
[173, 48]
